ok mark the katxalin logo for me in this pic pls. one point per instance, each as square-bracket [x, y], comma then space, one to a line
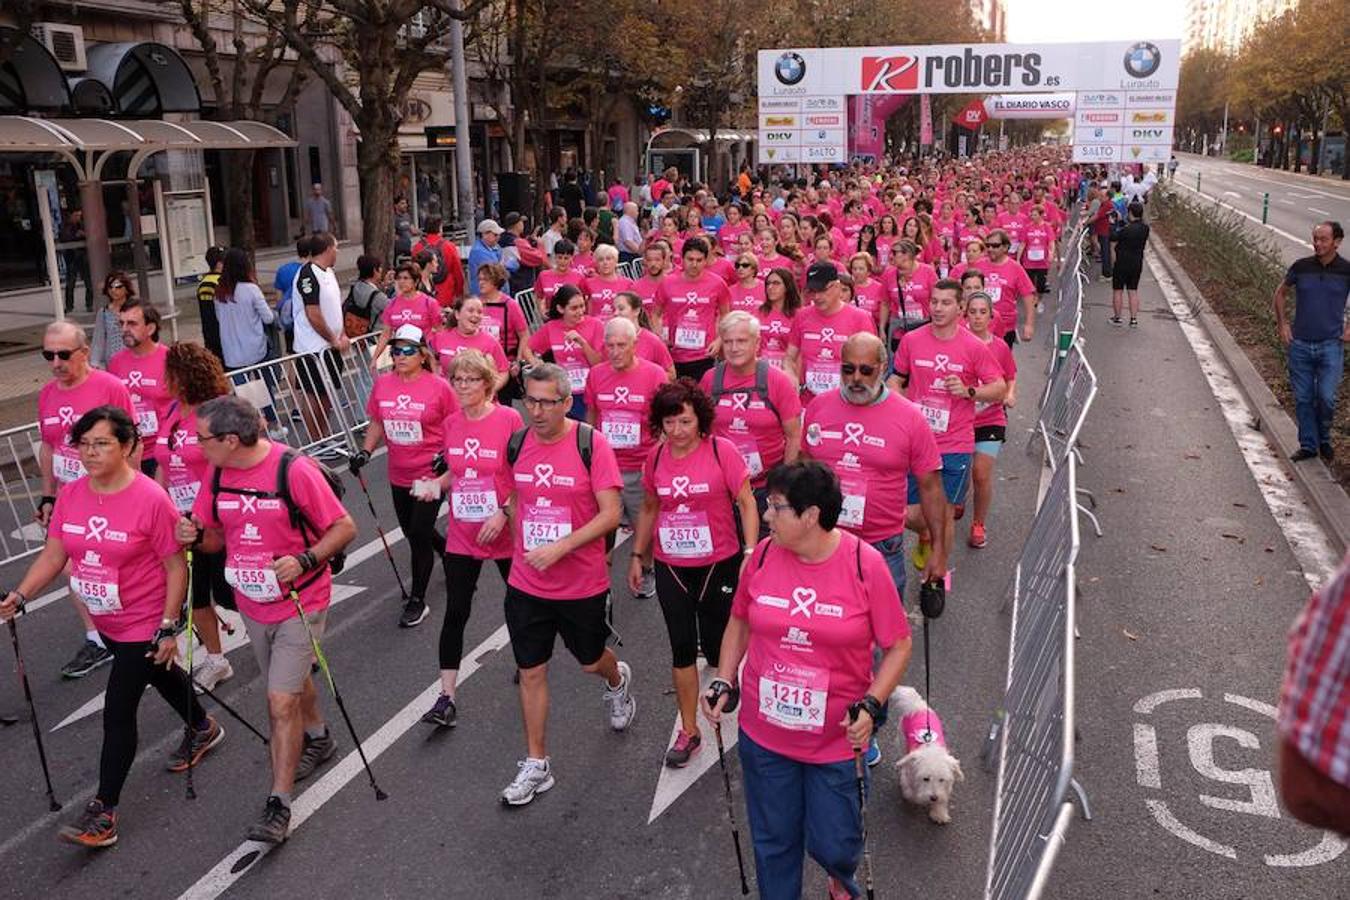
[790, 68]
[890, 73]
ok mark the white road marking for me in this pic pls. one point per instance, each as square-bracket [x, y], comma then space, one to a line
[1280, 231]
[1164, 817]
[1301, 530]
[1330, 848]
[1146, 705]
[244, 857]
[673, 782]
[1146, 770]
[228, 644]
[1255, 706]
[1231, 194]
[1320, 212]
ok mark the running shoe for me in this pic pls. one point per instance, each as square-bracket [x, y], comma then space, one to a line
[873, 755]
[442, 712]
[534, 777]
[647, 586]
[273, 825]
[977, 536]
[622, 705]
[685, 746]
[211, 673]
[202, 742]
[1117, 321]
[958, 510]
[1134, 323]
[89, 658]
[919, 555]
[414, 611]
[96, 826]
[834, 890]
[316, 752]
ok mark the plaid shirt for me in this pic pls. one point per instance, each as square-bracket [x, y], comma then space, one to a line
[1315, 699]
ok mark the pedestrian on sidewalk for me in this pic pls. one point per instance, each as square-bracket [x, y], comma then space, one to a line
[206, 301]
[243, 316]
[107, 337]
[76, 259]
[1314, 342]
[318, 211]
[1130, 241]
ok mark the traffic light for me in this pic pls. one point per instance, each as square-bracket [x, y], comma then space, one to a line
[1277, 129]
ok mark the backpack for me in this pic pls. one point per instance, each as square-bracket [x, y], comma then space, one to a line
[298, 521]
[760, 388]
[356, 318]
[584, 441]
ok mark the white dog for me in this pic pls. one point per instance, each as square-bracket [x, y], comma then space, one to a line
[927, 771]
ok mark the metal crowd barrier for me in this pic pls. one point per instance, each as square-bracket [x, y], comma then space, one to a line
[1034, 734]
[534, 316]
[1061, 418]
[20, 491]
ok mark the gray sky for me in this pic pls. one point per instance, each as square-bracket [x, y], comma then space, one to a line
[1059, 20]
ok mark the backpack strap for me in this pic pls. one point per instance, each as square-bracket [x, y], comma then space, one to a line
[719, 379]
[857, 550]
[762, 387]
[585, 440]
[763, 554]
[514, 443]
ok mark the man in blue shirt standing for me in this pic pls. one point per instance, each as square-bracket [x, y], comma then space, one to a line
[486, 250]
[1321, 283]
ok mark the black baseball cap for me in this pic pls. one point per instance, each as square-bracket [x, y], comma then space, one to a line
[820, 275]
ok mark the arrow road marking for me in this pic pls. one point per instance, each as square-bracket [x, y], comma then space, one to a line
[673, 782]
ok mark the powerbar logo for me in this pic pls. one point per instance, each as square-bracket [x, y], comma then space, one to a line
[970, 70]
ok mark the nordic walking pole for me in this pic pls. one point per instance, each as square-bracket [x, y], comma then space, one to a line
[862, 814]
[337, 695]
[388, 554]
[187, 713]
[229, 709]
[32, 710]
[731, 813]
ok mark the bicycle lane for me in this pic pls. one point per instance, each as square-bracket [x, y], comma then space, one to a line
[1184, 606]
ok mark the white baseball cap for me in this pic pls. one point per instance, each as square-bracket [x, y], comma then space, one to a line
[408, 332]
[490, 225]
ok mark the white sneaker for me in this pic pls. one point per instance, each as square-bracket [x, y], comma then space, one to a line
[622, 705]
[279, 433]
[211, 673]
[647, 586]
[534, 777]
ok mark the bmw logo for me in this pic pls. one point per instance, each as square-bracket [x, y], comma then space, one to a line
[790, 68]
[1141, 60]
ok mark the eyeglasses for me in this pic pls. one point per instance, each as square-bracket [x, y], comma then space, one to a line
[97, 445]
[63, 355]
[544, 403]
[405, 350]
[780, 508]
[745, 265]
[850, 369]
[467, 379]
[207, 438]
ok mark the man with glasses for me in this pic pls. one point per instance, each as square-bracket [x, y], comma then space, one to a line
[140, 366]
[1008, 283]
[75, 389]
[269, 562]
[820, 330]
[567, 484]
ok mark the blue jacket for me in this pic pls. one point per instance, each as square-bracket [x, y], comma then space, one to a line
[480, 255]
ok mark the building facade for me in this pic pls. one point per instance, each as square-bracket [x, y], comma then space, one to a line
[1223, 25]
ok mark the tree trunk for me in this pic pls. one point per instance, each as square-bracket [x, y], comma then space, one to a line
[1296, 139]
[377, 173]
[1314, 164]
[240, 199]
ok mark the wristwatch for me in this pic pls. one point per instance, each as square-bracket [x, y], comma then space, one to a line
[970, 392]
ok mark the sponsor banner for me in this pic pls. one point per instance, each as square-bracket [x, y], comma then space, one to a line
[1154, 154]
[819, 137]
[774, 155]
[1096, 153]
[779, 136]
[779, 120]
[1147, 135]
[1030, 106]
[1101, 99]
[1125, 65]
[823, 104]
[971, 116]
[1099, 117]
[1150, 117]
[779, 104]
[1098, 134]
[1154, 99]
[825, 120]
[831, 153]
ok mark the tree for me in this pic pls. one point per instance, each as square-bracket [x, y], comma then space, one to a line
[256, 56]
[1204, 87]
[384, 45]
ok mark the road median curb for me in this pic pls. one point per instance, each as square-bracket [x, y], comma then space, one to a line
[1324, 494]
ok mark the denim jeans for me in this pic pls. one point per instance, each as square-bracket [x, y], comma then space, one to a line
[796, 807]
[1315, 374]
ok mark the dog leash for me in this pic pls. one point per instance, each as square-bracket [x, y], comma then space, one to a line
[927, 685]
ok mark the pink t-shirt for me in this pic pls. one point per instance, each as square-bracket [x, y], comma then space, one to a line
[60, 408]
[181, 458]
[916, 288]
[117, 544]
[993, 413]
[744, 419]
[1005, 283]
[505, 322]
[872, 449]
[820, 340]
[547, 284]
[690, 310]
[569, 354]
[775, 329]
[724, 269]
[747, 298]
[413, 415]
[920, 728]
[419, 309]
[583, 265]
[770, 262]
[653, 349]
[928, 361]
[809, 656]
[884, 243]
[1013, 223]
[695, 495]
[555, 496]
[645, 287]
[480, 482]
[258, 531]
[870, 298]
[601, 293]
[621, 401]
[1036, 241]
[728, 234]
[446, 344]
[144, 378]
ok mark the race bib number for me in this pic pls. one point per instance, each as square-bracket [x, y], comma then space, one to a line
[855, 501]
[749, 451]
[995, 292]
[66, 465]
[473, 499]
[576, 377]
[184, 494]
[795, 697]
[684, 535]
[1035, 254]
[147, 423]
[96, 586]
[622, 427]
[822, 377]
[251, 575]
[403, 432]
[491, 327]
[544, 525]
[937, 411]
[690, 337]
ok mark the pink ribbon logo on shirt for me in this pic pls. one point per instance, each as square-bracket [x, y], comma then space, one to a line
[853, 432]
[692, 296]
[97, 525]
[739, 401]
[134, 378]
[827, 335]
[248, 503]
[179, 439]
[543, 475]
[803, 600]
[680, 486]
[402, 401]
[66, 415]
[471, 446]
[940, 362]
[621, 394]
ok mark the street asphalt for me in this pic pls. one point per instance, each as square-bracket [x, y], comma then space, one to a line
[1169, 600]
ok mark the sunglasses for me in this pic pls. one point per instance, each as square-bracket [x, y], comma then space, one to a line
[63, 355]
[405, 350]
[745, 265]
[996, 244]
[850, 369]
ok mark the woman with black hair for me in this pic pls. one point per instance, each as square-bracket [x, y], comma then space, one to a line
[571, 339]
[115, 529]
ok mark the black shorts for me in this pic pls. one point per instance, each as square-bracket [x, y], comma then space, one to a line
[311, 381]
[534, 623]
[694, 368]
[696, 604]
[991, 433]
[1125, 276]
[1010, 337]
[208, 581]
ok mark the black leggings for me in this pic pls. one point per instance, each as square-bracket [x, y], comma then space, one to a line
[208, 581]
[417, 518]
[131, 672]
[1038, 278]
[461, 583]
[696, 603]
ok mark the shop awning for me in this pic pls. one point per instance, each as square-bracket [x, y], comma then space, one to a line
[678, 136]
[25, 134]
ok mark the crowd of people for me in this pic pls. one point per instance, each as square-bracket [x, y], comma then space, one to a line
[802, 372]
